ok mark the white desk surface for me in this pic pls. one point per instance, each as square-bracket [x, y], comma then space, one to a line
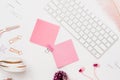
[41, 65]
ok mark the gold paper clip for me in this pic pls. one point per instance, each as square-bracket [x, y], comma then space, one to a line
[15, 51]
[13, 40]
[8, 29]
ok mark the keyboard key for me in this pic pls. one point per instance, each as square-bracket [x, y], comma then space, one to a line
[87, 17]
[111, 33]
[94, 24]
[93, 30]
[92, 44]
[68, 13]
[81, 5]
[110, 40]
[92, 16]
[78, 16]
[106, 35]
[104, 27]
[60, 6]
[62, 1]
[82, 19]
[71, 16]
[102, 32]
[66, 19]
[96, 19]
[85, 23]
[79, 24]
[77, 29]
[100, 37]
[64, 10]
[58, 12]
[115, 37]
[55, 2]
[75, 6]
[77, 1]
[70, 22]
[54, 14]
[104, 41]
[62, 15]
[74, 12]
[74, 26]
[70, 8]
[82, 27]
[83, 14]
[98, 28]
[102, 46]
[98, 49]
[90, 34]
[50, 11]
[91, 21]
[97, 33]
[85, 36]
[75, 20]
[82, 41]
[80, 10]
[108, 44]
[86, 44]
[90, 48]
[89, 26]
[108, 30]
[72, 3]
[100, 23]
[86, 31]
[89, 40]
[85, 9]
[98, 55]
[94, 52]
[58, 18]
[94, 38]
[71, 30]
[98, 42]
[52, 6]
[81, 33]
[66, 5]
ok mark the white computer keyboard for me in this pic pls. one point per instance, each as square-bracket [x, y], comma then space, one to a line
[93, 34]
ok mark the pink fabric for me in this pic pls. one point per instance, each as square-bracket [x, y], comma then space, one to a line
[112, 9]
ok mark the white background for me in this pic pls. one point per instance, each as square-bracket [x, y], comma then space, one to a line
[41, 65]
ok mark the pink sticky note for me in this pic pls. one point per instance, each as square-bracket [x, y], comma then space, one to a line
[44, 33]
[64, 54]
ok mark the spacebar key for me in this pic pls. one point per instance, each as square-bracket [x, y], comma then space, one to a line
[70, 30]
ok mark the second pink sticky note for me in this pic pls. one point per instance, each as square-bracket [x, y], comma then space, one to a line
[64, 53]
